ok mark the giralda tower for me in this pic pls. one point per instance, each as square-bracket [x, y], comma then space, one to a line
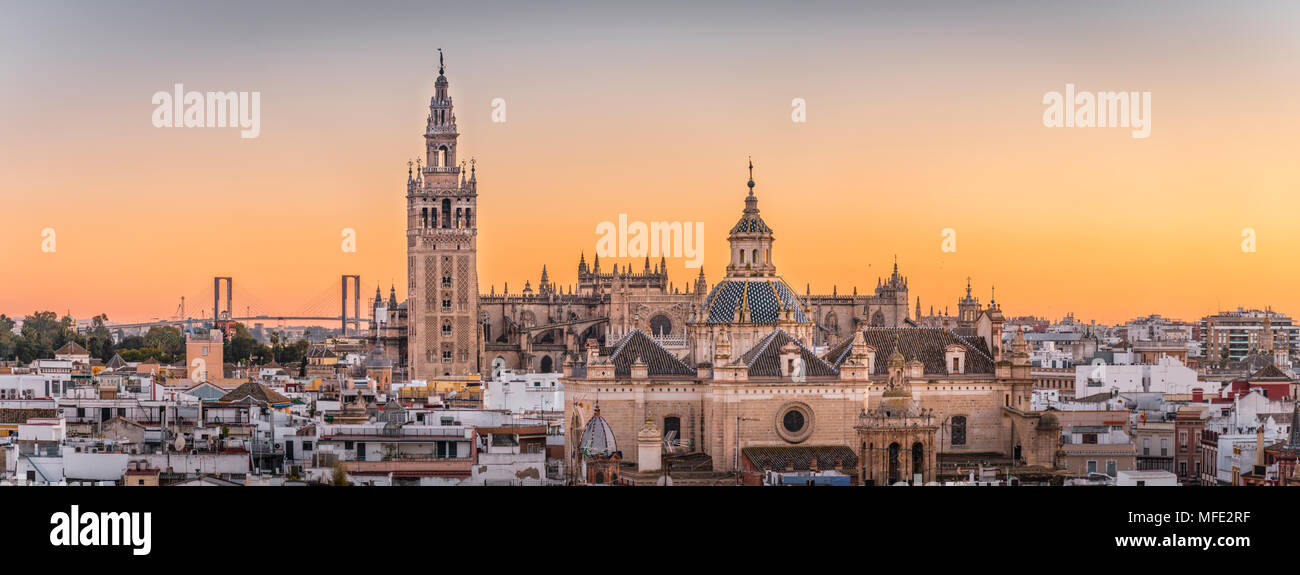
[441, 248]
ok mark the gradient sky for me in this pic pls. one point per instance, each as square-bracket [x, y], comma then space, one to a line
[920, 117]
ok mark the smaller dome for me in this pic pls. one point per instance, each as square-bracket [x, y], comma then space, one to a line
[597, 437]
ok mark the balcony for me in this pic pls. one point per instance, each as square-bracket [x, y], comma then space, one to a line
[395, 434]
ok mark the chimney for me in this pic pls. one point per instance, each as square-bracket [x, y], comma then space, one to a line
[1198, 395]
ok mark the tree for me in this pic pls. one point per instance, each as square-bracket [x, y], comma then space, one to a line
[8, 339]
[340, 475]
[99, 340]
[167, 338]
[241, 346]
[43, 333]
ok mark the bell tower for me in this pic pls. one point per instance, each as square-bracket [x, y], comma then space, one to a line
[442, 247]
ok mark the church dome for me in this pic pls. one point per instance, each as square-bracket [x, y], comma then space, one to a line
[764, 298]
[597, 437]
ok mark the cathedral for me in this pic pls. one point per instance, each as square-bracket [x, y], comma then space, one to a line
[741, 376]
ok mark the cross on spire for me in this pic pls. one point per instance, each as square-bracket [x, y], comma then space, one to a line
[441, 67]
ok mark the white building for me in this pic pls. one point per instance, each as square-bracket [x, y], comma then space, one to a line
[1146, 477]
[1166, 376]
[524, 392]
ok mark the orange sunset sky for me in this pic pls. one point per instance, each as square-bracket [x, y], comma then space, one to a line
[920, 117]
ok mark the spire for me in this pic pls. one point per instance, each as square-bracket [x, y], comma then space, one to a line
[392, 296]
[442, 69]
[751, 175]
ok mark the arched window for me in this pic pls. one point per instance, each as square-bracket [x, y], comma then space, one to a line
[918, 458]
[468, 222]
[442, 157]
[661, 325]
[959, 430]
[433, 217]
[893, 463]
[424, 217]
[547, 364]
[754, 257]
[446, 213]
[742, 256]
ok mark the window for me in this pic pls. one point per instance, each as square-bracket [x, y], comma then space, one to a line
[956, 365]
[1146, 446]
[1092, 466]
[661, 325]
[1182, 441]
[1164, 447]
[893, 463]
[1110, 467]
[1182, 468]
[918, 458]
[446, 330]
[793, 421]
[446, 281]
[1090, 438]
[446, 305]
[673, 429]
[959, 430]
[446, 357]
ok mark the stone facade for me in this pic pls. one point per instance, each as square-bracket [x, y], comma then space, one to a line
[442, 327]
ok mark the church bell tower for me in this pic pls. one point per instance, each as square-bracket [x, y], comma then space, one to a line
[442, 247]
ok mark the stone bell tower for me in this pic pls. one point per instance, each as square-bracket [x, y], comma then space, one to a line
[442, 246]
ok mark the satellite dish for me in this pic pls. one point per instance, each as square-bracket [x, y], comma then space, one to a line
[180, 443]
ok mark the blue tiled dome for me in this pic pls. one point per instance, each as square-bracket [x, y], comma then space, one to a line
[763, 297]
[753, 224]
